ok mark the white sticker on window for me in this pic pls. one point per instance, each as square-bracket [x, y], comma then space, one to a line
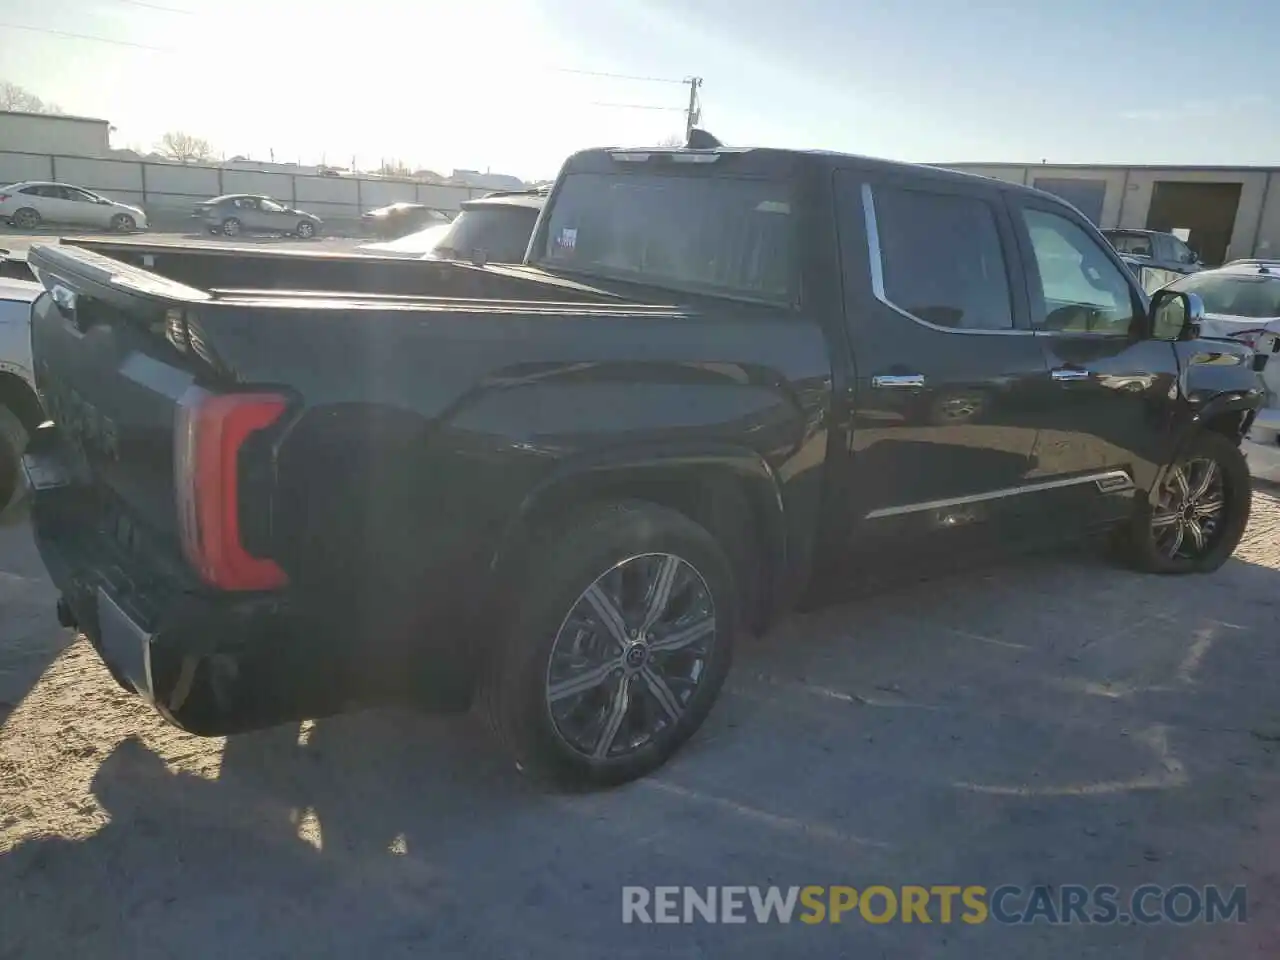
[568, 238]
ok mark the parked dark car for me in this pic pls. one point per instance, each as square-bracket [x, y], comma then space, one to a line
[1155, 258]
[401, 219]
[492, 229]
[561, 490]
[239, 213]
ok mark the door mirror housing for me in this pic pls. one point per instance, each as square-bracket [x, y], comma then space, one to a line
[1175, 315]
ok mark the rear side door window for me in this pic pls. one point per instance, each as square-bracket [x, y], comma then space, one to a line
[1075, 287]
[941, 260]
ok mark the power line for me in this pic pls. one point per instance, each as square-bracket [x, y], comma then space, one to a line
[157, 6]
[635, 106]
[617, 76]
[86, 36]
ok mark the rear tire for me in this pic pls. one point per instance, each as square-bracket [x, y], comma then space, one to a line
[655, 689]
[1208, 485]
[26, 219]
[13, 443]
[231, 227]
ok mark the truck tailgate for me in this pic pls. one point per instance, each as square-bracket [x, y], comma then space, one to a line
[111, 380]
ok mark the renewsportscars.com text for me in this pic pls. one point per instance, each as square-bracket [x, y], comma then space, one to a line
[939, 903]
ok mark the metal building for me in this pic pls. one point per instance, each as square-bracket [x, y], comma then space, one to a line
[54, 133]
[1227, 212]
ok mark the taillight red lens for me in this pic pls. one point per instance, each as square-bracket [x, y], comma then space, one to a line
[210, 432]
[1249, 337]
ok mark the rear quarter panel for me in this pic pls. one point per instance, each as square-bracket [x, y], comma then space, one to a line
[424, 439]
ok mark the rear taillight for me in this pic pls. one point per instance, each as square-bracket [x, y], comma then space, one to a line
[210, 431]
[4, 197]
[1249, 337]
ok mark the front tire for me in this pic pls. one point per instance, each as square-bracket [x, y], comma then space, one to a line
[123, 223]
[306, 230]
[616, 650]
[1195, 517]
[13, 443]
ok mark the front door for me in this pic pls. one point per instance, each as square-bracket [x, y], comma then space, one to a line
[84, 208]
[1105, 434]
[275, 217]
[948, 374]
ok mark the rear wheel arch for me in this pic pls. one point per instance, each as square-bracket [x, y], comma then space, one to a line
[18, 396]
[734, 497]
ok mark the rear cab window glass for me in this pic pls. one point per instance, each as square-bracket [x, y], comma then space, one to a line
[717, 234]
[941, 258]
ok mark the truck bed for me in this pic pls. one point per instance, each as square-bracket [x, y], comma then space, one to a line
[245, 266]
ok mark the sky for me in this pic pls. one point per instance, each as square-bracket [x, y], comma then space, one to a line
[487, 84]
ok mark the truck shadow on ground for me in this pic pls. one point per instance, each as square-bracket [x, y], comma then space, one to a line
[386, 833]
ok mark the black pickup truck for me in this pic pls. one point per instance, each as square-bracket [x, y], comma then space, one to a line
[560, 490]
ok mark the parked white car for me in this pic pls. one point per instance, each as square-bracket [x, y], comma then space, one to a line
[1242, 302]
[30, 203]
[20, 411]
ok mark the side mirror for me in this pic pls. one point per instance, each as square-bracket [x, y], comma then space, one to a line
[1175, 315]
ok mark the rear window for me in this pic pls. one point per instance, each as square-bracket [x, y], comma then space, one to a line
[1236, 296]
[500, 232]
[1134, 244]
[717, 235]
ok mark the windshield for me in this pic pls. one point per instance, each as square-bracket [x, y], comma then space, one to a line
[1245, 295]
[500, 231]
[716, 235]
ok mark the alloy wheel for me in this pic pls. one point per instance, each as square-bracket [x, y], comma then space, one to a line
[630, 655]
[1190, 510]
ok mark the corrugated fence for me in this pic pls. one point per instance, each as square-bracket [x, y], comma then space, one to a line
[168, 191]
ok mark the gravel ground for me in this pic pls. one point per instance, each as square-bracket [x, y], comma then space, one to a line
[1056, 721]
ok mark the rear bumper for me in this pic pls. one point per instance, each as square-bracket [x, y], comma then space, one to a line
[218, 663]
[209, 664]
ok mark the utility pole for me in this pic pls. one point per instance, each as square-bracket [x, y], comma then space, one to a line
[693, 114]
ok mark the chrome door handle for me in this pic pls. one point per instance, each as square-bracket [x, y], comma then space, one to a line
[891, 380]
[1069, 373]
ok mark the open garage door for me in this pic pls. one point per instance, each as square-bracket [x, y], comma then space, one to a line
[1206, 210]
[1087, 196]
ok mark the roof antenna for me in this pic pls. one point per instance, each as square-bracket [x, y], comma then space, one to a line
[701, 140]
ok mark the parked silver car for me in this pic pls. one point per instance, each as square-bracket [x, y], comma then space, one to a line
[30, 203]
[238, 213]
[1242, 302]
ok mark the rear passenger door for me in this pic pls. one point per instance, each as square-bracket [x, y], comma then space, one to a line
[949, 377]
[48, 202]
[249, 213]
